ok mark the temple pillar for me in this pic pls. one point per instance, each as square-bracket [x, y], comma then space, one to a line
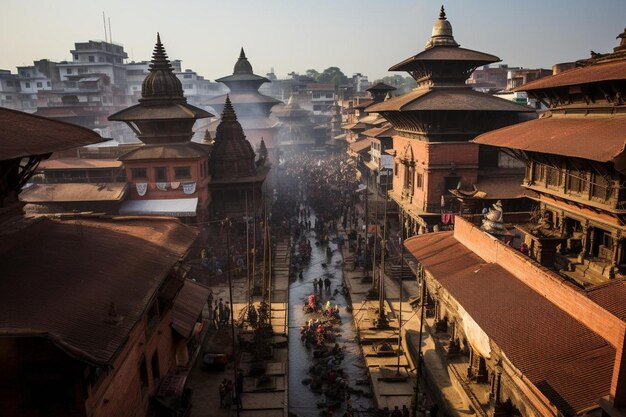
[498, 407]
[583, 241]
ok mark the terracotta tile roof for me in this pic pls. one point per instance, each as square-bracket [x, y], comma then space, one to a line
[567, 362]
[79, 163]
[609, 71]
[611, 297]
[59, 278]
[187, 150]
[445, 53]
[590, 137]
[188, 306]
[380, 86]
[363, 103]
[167, 111]
[361, 145]
[72, 192]
[23, 134]
[386, 131]
[463, 98]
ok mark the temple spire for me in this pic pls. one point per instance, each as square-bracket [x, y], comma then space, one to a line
[161, 84]
[228, 114]
[442, 32]
[159, 57]
[242, 54]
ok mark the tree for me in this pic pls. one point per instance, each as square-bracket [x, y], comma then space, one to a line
[403, 84]
[312, 73]
[332, 75]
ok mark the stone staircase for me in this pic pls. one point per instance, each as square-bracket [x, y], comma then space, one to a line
[587, 273]
[393, 270]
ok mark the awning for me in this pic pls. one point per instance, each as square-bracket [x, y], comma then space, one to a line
[188, 307]
[180, 207]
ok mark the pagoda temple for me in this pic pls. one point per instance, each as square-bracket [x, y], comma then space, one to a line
[236, 179]
[169, 173]
[295, 127]
[435, 124]
[252, 107]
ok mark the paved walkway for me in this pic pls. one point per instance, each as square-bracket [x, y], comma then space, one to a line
[441, 386]
[268, 400]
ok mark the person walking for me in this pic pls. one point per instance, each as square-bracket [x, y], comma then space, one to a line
[215, 316]
[220, 306]
[209, 302]
[315, 285]
[226, 313]
[327, 284]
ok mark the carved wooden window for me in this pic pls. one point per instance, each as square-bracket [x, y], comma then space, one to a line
[577, 182]
[539, 172]
[601, 189]
[554, 178]
[139, 173]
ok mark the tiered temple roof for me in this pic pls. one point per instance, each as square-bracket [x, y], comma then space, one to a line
[440, 72]
[244, 91]
[162, 100]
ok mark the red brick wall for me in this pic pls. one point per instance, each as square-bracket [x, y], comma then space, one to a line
[434, 161]
[120, 393]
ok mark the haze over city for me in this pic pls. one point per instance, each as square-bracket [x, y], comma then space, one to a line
[364, 36]
[219, 209]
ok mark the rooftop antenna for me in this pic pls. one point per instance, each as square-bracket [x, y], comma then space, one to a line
[104, 23]
[110, 33]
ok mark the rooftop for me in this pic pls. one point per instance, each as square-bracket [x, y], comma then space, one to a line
[188, 150]
[570, 364]
[609, 71]
[459, 98]
[567, 135]
[79, 163]
[73, 192]
[23, 134]
[122, 261]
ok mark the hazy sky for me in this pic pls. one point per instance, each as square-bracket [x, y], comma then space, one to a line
[366, 36]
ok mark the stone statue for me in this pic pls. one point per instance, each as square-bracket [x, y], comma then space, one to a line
[493, 222]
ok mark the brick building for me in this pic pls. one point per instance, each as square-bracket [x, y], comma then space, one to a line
[95, 311]
[435, 124]
[537, 327]
[169, 173]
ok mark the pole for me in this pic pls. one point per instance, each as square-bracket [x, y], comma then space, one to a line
[227, 224]
[419, 345]
[253, 242]
[104, 23]
[373, 289]
[248, 251]
[382, 319]
[401, 274]
[365, 257]
[110, 33]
